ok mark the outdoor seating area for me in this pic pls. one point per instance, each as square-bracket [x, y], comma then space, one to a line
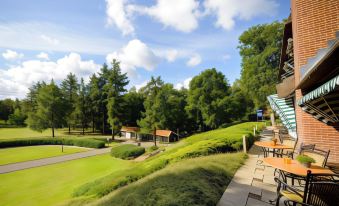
[306, 164]
[283, 173]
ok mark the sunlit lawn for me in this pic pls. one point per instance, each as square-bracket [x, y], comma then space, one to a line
[20, 154]
[50, 185]
[19, 133]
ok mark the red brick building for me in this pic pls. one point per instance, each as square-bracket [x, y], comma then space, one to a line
[309, 72]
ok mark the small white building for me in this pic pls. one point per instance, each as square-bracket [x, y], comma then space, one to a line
[130, 132]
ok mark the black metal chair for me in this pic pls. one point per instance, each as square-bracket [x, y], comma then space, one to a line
[319, 190]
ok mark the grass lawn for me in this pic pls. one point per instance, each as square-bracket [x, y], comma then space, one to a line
[216, 141]
[18, 133]
[25, 132]
[20, 154]
[50, 185]
[198, 181]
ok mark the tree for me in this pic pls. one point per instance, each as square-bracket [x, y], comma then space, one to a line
[260, 51]
[153, 115]
[17, 118]
[82, 105]
[134, 106]
[240, 104]
[103, 80]
[95, 100]
[69, 88]
[6, 108]
[115, 88]
[51, 109]
[208, 99]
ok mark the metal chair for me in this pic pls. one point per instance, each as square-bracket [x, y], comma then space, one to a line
[320, 190]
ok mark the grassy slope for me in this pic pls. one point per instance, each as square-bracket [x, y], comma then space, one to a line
[196, 145]
[198, 181]
[50, 185]
[20, 154]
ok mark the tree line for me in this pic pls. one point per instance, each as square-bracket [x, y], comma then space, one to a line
[104, 104]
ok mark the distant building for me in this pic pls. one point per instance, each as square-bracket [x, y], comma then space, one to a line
[161, 135]
[130, 132]
[307, 98]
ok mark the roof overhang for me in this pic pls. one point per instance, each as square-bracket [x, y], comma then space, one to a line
[322, 68]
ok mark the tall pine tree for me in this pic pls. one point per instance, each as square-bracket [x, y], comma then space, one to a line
[69, 88]
[115, 88]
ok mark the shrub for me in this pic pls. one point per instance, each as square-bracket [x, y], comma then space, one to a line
[91, 143]
[127, 151]
[152, 148]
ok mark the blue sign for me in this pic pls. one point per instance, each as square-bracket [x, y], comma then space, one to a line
[259, 113]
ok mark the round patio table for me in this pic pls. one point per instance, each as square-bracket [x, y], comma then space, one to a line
[295, 167]
[266, 145]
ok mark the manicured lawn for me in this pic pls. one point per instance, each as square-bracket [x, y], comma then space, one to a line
[221, 140]
[18, 133]
[50, 185]
[198, 181]
[20, 154]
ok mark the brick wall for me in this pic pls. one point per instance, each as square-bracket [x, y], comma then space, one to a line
[314, 22]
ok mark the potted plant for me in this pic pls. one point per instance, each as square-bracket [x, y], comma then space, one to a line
[305, 160]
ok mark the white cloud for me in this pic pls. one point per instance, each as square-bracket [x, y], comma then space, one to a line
[116, 14]
[43, 55]
[181, 15]
[226, 57]
[14, 81]
[227, 10]
[171, 55]
[135, 54]
[139, 86]
[12, 55]
[42, 36]
[49, 40]
[184, 84]
[194, 60]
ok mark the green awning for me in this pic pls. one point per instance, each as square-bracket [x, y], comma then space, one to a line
[323, 102]
[285, 109]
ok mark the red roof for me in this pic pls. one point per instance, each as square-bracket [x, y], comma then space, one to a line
[130, 129]
[163, 133]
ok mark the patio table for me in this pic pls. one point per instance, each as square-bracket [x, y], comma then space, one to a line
[295, 167]
[269, 145]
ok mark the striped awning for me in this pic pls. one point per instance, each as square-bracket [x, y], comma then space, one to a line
[285, 109]
[323, 102]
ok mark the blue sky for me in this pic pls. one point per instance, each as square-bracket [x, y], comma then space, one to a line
[176, 39]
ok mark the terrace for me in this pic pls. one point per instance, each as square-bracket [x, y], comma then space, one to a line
[255, 183]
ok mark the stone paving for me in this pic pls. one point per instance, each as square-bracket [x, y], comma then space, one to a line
[253, 184]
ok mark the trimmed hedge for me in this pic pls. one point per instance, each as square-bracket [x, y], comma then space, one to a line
[127, 151]
[91, 143]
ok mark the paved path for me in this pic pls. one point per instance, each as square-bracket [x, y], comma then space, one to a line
[52, 160]
[252, 185]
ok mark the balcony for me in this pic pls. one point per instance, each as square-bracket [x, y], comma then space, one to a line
[286, 87]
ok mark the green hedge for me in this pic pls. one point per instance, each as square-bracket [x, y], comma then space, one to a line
[127, 151]
[91, 143]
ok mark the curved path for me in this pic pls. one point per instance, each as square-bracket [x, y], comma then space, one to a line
[52, 160]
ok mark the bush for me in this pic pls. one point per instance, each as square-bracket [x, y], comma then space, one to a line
[152, 148]
[127, 151]
[91, 143]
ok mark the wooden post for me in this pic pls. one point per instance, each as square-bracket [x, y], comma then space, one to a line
[254, 131]
[244, 143]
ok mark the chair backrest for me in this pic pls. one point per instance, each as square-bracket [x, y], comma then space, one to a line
[320, 156]
[304, 147]
[322, 190]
